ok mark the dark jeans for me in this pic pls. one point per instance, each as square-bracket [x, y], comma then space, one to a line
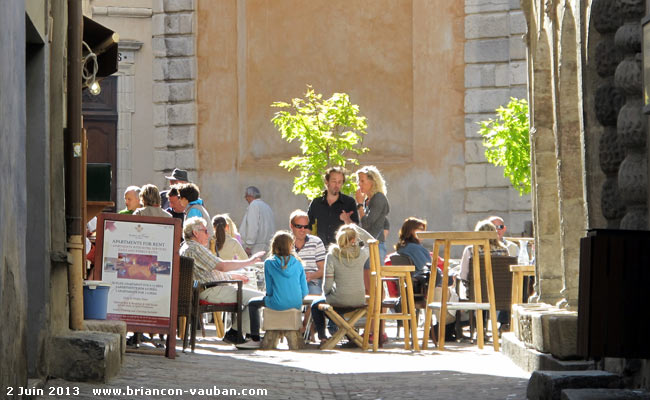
[318, 317]
[254, 306]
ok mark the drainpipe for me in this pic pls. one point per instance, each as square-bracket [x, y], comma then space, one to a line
[73, 165]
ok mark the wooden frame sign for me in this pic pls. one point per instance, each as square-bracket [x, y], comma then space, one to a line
[139, 257]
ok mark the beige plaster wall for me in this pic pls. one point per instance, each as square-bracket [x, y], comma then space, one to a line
[385, 54]
[135, 154]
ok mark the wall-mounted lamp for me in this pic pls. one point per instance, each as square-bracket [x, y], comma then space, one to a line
[90, 75]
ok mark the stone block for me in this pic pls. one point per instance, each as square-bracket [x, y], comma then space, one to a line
[172, 69]
[517, 23]
[495, 178]
[474, 151]
[160, 115]
[164, 160]
[548, 385]
[158, 47]
[479, 75]
[485, 100]
[519, 91]
[516, 201]
[181, 136]
[488, 50]
[176, 46]
[480, 6]
[119, 327]
[186, 159]
[173, 91]
[472, 125]
[517, 48]
[83, 356]
[604, 394]
[172, 24]
[181, 114]
[475, 175]
[486, 25]
[477, 200]
[502, 75]
[532, 360]
[160, 135]
[518, 73]
[564, 331]
[170, 6]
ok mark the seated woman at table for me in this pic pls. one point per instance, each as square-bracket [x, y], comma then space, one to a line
[497, 247]
[344, 284]
[223, 244]
[409, 246]
[286, 285]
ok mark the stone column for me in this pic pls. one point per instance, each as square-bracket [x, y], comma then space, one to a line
[569, 149]
[543, 111]
[174, 91]
[125, 110]
[631, 124]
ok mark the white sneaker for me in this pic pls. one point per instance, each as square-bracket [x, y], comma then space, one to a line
[250, 344]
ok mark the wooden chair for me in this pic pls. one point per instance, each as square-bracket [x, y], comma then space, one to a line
[201, 306]
[519, 273]
[379, 272]
[446, 240]
[501, 279]
[185, 307]
[345, 318]
[419, 294]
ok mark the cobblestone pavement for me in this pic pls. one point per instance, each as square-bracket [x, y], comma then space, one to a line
[461, 371]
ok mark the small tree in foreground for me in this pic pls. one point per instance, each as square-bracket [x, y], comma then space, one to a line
[507, 143]
[330, 134]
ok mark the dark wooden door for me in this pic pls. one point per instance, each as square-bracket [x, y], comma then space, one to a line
[100, 122]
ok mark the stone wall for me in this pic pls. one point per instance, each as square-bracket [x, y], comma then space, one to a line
[495, 71]
[13, 197]
[385, 54]
[174, 87]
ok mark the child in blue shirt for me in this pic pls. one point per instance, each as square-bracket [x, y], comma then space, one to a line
[286, 285]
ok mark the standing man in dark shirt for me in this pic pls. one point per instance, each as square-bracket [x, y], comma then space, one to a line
[333, 209]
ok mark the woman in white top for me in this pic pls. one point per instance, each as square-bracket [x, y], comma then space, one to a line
[224, 245]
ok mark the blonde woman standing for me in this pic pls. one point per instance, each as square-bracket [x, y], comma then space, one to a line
[372, 204]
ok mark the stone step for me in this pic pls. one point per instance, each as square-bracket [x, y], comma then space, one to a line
[604, 394]
[85, 356]
[548, 385]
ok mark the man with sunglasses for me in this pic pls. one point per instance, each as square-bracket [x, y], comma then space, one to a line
[310, 250]
[513, 249]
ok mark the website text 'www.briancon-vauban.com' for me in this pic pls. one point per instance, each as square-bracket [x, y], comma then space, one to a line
[212, 391]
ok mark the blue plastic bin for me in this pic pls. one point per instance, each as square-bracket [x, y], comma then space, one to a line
[95, 299]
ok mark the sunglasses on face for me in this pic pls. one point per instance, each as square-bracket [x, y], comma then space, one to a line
[298, 226]
[500, 226]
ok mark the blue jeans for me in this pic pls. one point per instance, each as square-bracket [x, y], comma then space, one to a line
[315, 286]
[254, 306]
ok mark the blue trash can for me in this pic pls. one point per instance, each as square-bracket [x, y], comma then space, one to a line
[95, 299]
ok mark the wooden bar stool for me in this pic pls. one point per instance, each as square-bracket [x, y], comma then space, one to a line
[518, 274]
[403, 273]
[448, 239]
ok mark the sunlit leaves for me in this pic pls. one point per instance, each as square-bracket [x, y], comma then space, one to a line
[330, 132]
[507, 144]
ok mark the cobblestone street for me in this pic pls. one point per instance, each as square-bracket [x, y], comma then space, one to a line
[460, 372]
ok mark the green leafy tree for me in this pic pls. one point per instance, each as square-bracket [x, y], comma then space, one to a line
[507, 143]
[330, 133]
